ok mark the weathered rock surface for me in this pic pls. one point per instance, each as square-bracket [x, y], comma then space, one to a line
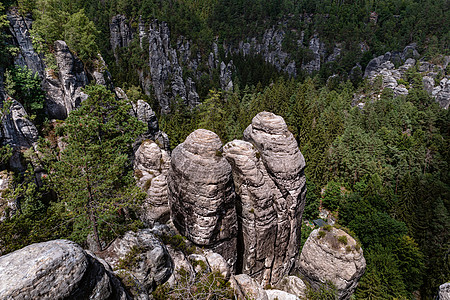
[444, 291]
[58, 269]
[64, 90]
[120, 33]
[272, 186]
[293, 285]
[201, 195]
[318, 52]
[248, 287]
[166, 72]
[20, 27]
[327, 258]
[8, 207]
[150, 264]
[151, 167]
[280, 295]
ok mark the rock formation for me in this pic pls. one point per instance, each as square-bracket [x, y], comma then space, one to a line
[201, 195]
[248, 287]
[121, 34]
[444, 291]
[58, 269]
[151, 167]
[8, 207]
[142, 255]
[64, 89]
[383, 66]
[332, 254]
[293, 285]
[272, 186]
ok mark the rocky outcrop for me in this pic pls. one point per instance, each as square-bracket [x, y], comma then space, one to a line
[165, 68]
[64, 88]
[151, 167]
[201, 195]
[269, 178]
[280, 295]
[8, 207]
[226, 73]
[331, 254]
[141, 255]
[317, 49]
[383, 66]
[247, 287]
[444, 291]
[20, 27]
[58, 269]
[293, 285]
[120, 33]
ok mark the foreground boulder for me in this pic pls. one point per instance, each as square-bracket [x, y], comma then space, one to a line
[330, 254]
[268, 173]
[140, 256]
[201, 195]
[58, 269]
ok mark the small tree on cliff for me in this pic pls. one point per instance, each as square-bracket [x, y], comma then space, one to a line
[92, 173]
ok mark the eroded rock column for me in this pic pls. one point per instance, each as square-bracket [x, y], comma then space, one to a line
[201, 194]
[268, 172]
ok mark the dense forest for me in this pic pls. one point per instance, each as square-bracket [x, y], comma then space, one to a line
[382, 171]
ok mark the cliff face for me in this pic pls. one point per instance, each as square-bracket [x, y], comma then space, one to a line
[62, 85]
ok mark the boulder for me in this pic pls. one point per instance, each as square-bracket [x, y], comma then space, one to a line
[444, 291]
[201, 195]
[293, 285]
[141, 254]
[218, 264]
[280, 295]
[58, 269]
[330, 254]
[284, 165]
[248, 287]
[151, 167]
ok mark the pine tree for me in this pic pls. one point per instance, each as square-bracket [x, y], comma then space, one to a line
[92, 175]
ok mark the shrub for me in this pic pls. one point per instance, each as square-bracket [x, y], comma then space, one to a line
[322, 234]
[342, 239]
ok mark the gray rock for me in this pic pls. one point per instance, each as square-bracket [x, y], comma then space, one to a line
[285, 165]
[326, 258]
[442, 93]
[182, 267]
[151, 167]
[58, 269]
[226, 72]
[120, 33]
[444, 291]
[248, 287]
[428, 84]
[152, 263]
[201, 195]
[257, 214]
[293, 285]
[20, 27]
[8, 207]
[64, 89]
[318, 51]
[280, 295]
[218, 264]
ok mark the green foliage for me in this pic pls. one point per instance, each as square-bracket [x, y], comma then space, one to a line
[55, 21]
[342, 239]
[178, 242]
[25, 86]
[326, 291]
[202, 285]
[92, 174]
[131, 259]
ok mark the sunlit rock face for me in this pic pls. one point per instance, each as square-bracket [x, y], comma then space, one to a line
[268, 173]
[201, 194]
